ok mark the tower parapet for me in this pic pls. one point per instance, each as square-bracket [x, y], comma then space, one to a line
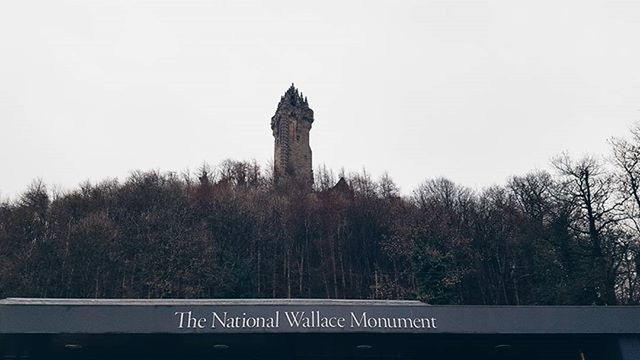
[292, 153]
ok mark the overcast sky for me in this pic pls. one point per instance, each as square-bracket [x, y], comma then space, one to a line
[475, 91]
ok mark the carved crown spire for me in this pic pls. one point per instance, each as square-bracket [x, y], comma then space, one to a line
[293, 101]
[293, 97]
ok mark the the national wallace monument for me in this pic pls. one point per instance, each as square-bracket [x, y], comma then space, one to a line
[291, 125]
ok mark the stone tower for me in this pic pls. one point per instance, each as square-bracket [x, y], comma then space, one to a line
[291, 125]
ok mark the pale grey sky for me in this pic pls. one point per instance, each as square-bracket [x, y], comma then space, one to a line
[472, 90]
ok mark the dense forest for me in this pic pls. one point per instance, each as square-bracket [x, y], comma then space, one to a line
[568, 236]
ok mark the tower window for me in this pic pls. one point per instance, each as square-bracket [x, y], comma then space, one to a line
[298, 138]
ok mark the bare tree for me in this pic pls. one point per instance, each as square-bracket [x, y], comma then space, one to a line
[626, 159]
[596, 210]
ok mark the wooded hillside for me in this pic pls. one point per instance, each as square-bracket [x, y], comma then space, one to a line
[567, 237]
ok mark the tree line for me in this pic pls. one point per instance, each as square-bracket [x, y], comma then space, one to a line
[569, 236]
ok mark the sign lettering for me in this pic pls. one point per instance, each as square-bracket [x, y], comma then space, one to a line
[314, 319]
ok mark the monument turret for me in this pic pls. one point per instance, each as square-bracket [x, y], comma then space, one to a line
[292, 153]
